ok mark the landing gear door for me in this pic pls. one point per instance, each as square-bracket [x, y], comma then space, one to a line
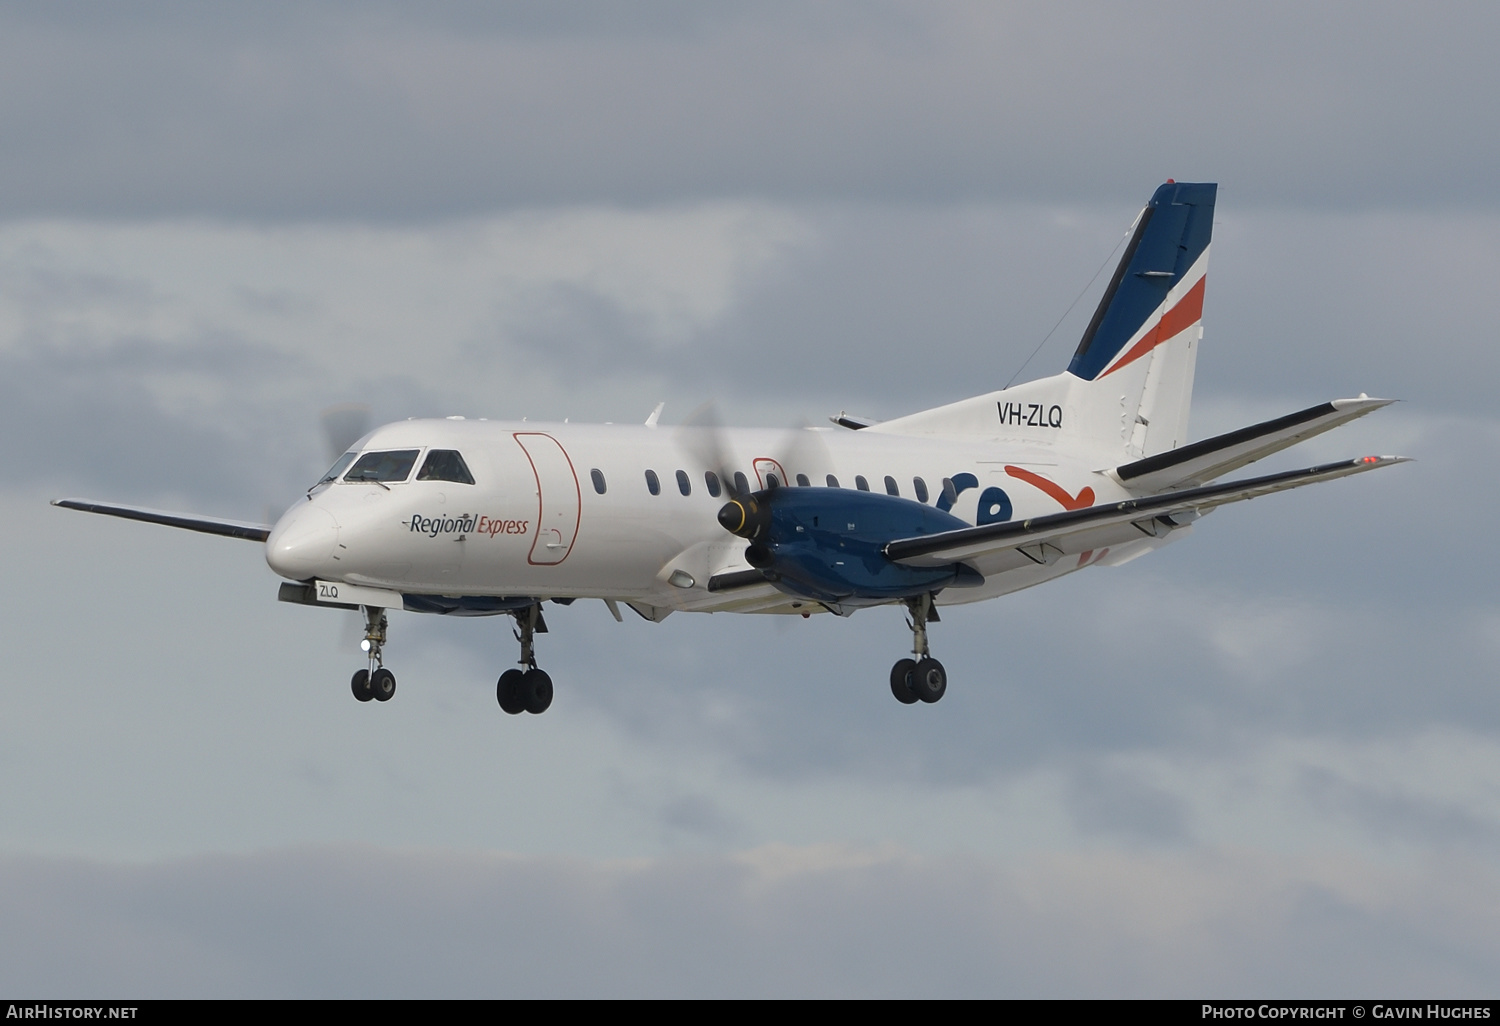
[557, 498]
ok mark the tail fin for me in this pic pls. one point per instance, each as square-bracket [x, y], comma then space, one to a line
[1144, 336]
[1129, 388]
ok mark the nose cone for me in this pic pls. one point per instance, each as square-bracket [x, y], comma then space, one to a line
[732, 517]
[302, 542]
[745, 517]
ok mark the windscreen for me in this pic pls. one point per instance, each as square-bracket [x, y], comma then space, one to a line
[338, 468]
[394, 465]
[445, 465]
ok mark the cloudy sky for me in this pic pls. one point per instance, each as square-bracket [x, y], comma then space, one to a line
[1265, 760]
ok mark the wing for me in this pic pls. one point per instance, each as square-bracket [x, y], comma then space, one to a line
[996, 548]
[207, 525]
[1201, 462]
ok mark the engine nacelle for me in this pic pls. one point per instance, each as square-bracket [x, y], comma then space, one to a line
[825, 543]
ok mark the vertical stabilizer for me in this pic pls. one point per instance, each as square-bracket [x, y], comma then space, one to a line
[1142, 343]
[1127, 393]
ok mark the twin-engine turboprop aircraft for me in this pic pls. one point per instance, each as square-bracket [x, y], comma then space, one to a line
[955, 504]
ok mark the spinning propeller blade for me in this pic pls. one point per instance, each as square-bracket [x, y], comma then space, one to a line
[343, 425]
[703, 438]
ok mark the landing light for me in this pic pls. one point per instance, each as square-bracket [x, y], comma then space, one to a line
[364, 646]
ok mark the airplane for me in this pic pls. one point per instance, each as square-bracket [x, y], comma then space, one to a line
[960, 503]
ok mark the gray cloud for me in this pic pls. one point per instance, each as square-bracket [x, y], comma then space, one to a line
[386, 112]
[355, 921]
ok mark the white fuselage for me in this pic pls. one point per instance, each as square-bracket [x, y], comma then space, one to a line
[535, 523]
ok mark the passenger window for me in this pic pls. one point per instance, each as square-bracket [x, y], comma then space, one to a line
[652, 484]
[803, 482]
[833, 482]
[861, 483]
[740, 484]
[683, 484]
[598, 478]
[890, 486]
[921, 488]
[950, 492]
[383, 466]
[445, 465]
[772, 481]
[712, 480]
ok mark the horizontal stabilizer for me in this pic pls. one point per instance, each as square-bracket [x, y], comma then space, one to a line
[1201, 462]
[996, 548]
[186, 521]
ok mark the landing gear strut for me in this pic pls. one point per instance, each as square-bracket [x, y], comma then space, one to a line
[528, 690]
[921, 679]
[375, 681]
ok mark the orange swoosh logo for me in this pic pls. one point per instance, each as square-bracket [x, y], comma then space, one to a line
[1187, 312]
[1083, 500]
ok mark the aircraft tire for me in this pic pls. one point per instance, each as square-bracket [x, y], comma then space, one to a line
[508, 692]
[360, 685]
[929, 681]
[536, 687]
[901, 681]
[383, 684]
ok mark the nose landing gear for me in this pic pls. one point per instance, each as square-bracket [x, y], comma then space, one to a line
[921, 679]
[528, 690]
[375, 681]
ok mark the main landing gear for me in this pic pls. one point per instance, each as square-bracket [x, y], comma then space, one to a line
[528, 690]
[375, 681]
[921, 679]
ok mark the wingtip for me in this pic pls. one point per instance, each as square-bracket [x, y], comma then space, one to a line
[1366, 401]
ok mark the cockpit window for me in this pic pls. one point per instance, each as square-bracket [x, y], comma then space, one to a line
[394, 465]
[338, 468]
[445, 465]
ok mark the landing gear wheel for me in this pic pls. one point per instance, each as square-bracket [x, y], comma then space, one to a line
[536, 687]
[901, 680]
[929, 681]
[382, 684]
[360, 685]
[508, 692]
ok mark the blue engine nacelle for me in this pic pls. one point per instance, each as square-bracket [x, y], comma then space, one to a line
[825, 543]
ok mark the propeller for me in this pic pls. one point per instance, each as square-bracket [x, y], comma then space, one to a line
[703, 438]
[343, 425]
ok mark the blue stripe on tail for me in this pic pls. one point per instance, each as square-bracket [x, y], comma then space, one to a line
[1172, 234]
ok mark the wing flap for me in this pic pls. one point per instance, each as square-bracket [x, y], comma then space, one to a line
[189, 522]
[1196, 464]
[994, 548]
